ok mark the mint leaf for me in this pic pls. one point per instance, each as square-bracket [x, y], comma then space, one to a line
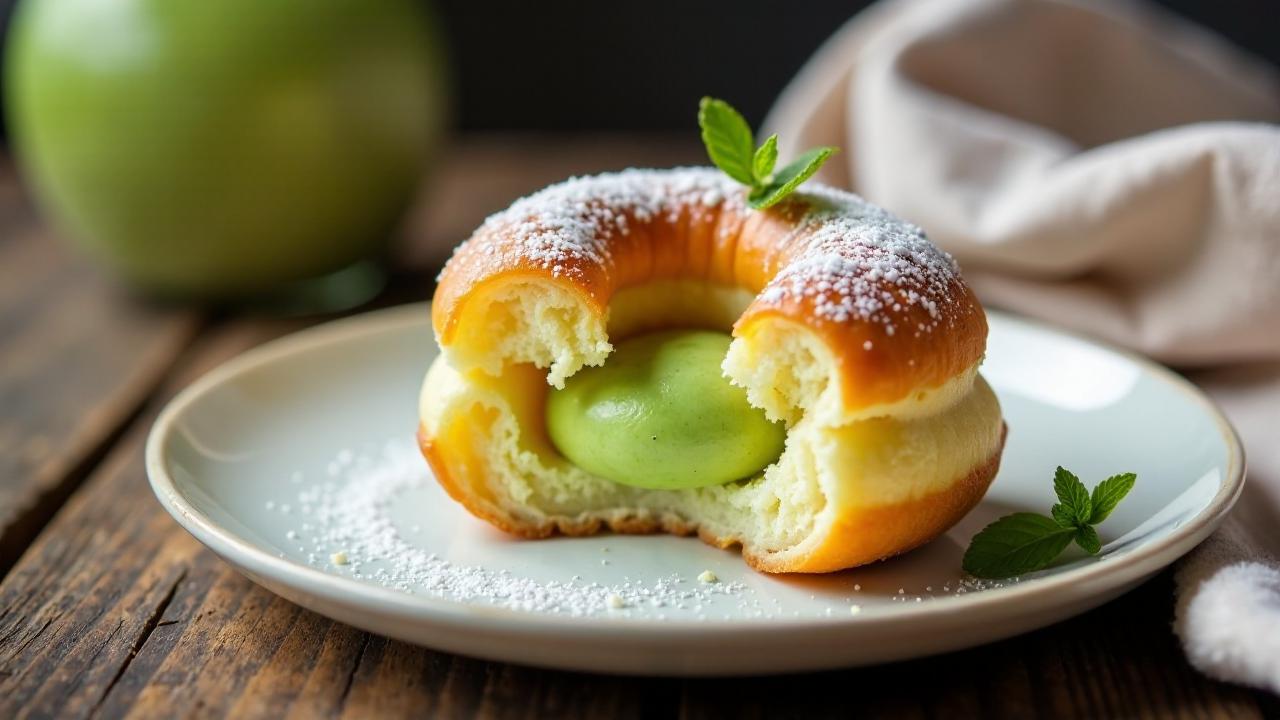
[728, 139]
[1073, 497]
[729, 145]
[765, 158]
[1022, 542]
[1108, 493]
[1063, 515]
[786, 180]
[1087, 538]
[1016, 544]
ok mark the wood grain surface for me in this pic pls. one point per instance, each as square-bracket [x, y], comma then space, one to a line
[77, 361]
[109, 609]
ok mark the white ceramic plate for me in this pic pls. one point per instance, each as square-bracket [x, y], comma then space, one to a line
[257, 460]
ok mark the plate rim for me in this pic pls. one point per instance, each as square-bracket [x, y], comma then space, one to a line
[243, 555]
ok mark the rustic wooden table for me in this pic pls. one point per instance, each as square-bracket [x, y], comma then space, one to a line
[108, 608]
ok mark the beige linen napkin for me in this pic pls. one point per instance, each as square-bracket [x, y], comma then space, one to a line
[1110, 169]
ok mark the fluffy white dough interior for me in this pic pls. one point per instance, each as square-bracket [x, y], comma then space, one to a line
[530, 321]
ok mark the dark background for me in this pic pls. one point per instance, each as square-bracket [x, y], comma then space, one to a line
[623, 64]
[584, 65]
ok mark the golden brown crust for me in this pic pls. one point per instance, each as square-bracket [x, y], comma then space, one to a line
[857, 536]
[893, 310]
[864, 535]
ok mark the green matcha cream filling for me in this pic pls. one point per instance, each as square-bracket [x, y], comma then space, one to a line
[661, 415]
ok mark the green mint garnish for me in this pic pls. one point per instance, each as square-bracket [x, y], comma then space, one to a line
[1025, 542]
[1087, 538]
[1108, 494]
[1074, 507]
[766, 156]
[1016, 544]
[731, 146]
[728, 139]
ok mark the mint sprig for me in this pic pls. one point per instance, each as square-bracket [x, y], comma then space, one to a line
[1074, 507]
[1108, 494]
[1025, 542]
[731, 146]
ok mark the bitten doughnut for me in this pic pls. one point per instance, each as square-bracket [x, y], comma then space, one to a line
[840, 420]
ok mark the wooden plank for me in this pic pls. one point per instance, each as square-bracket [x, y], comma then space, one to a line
[108, 575]
[77, 359]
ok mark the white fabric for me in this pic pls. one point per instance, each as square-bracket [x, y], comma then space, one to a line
[1108, 168]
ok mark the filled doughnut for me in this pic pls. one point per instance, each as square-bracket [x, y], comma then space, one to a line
[641, 352]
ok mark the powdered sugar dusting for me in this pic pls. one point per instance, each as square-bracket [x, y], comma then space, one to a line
[856, 262]
[571, 223]
[859, 262]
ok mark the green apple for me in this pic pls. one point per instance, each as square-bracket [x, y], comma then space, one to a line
[220, 147]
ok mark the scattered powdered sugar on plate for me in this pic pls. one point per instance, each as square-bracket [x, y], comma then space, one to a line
[350, 525]
[346, 523]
